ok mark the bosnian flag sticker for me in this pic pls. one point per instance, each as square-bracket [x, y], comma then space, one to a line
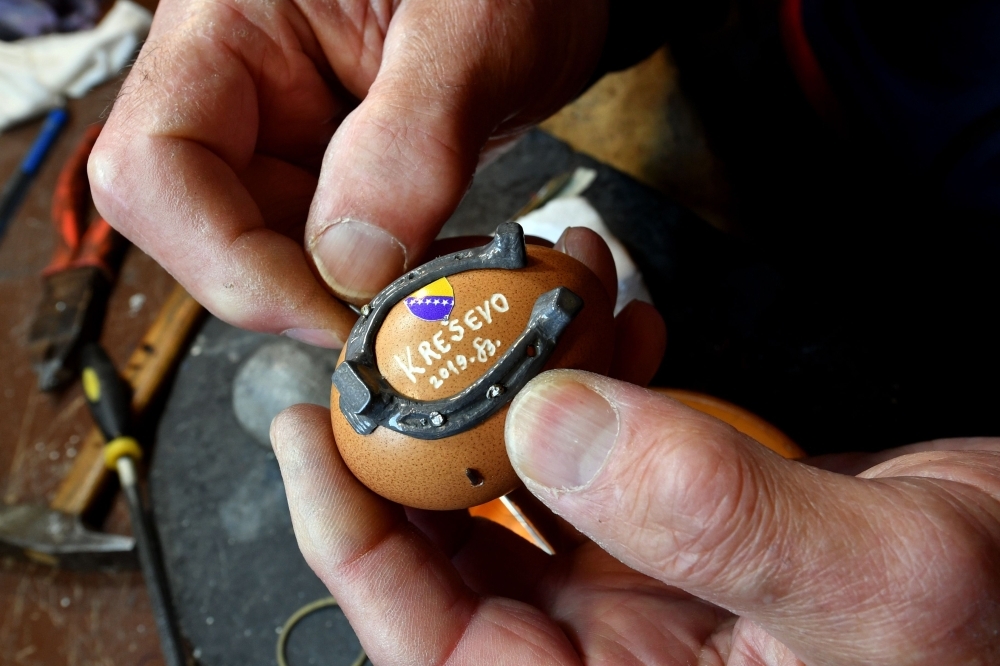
[432, 303]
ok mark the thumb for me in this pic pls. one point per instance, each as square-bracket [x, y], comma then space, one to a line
[899, 566]
[454, 77]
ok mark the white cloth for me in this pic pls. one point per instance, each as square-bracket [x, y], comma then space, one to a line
[553, 218]
[36, 73]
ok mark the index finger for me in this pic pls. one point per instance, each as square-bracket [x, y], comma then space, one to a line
[172, 167]
[402, 595]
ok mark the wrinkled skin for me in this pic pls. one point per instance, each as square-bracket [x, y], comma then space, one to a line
[241, 121]
[273, 155]
[696, 545]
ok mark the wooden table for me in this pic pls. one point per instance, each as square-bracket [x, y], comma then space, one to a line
[50, 617]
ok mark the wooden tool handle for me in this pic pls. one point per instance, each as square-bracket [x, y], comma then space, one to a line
[148, 366]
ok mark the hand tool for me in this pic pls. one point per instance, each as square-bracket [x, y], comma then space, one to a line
[17, 186]
[110, 403]
[77, 280]
[549, 191]
[55, 534]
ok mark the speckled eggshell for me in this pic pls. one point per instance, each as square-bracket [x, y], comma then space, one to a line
[431, 474]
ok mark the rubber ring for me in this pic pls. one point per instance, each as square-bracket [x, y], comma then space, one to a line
[118, 447]
[290, 623]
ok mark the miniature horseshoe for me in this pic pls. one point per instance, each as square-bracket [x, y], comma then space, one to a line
[368, 401]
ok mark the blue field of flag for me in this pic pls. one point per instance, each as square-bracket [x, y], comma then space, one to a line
[433, 302]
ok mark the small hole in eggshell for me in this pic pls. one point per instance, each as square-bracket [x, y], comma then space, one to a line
[475, 478]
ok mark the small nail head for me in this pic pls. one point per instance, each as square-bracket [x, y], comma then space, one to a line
[365, 310]
[437, 419]
[495, 391]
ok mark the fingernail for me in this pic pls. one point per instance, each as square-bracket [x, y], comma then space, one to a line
[559, 432]
[560, 245]
[317, 337]
[569, 243]
[357, 259]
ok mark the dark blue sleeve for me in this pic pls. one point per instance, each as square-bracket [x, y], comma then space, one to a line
[923, 79]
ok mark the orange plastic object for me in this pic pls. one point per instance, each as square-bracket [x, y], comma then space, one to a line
[496, 511]
[742, 419]
[79, 244]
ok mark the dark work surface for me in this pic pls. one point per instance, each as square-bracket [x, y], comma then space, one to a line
[234, 567]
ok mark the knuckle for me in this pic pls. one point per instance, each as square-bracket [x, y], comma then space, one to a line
[959, 561]
[697, 510]
[102, 169]
[418, 147]
[938, 580]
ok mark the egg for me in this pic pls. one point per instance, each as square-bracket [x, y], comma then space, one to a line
[439, 340]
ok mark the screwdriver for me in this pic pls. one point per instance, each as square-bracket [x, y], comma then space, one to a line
[109, 397]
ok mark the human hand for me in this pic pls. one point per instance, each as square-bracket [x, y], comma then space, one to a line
[704, 548]
[269, 153]
[897, 566]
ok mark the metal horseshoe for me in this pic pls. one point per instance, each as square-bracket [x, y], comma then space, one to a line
[368, 401]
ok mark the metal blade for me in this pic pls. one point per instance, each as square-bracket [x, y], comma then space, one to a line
[45, 535]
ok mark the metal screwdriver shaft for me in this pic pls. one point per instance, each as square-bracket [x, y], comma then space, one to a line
[151, 562]
[109, 399]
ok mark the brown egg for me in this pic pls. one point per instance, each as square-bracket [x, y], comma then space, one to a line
[429, 350]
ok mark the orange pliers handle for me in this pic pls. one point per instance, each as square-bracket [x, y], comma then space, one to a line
[77, 243]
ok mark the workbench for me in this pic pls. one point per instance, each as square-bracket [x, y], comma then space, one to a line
[50, 617]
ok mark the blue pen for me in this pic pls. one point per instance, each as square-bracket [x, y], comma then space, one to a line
[17, 186]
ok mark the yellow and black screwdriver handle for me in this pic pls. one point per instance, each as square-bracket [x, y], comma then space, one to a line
[110, 399]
